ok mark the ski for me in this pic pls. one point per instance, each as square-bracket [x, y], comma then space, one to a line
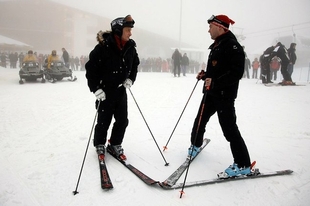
[278, 84]
[106, 182]
[255, 174]
[173, 178]
[146, 179]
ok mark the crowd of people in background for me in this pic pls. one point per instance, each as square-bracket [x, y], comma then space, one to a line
[158, 64]
[178, 63]
[14, 60]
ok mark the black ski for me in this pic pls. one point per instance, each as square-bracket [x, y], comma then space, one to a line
[146, 179]
[255, 174]
[278, 84]
[173, 178]
[106, 182]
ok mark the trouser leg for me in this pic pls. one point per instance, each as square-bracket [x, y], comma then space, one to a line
[227, 119]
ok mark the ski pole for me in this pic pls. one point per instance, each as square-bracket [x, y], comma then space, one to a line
[166, 163]
[91, 131]
[165, 147]
[198, 125]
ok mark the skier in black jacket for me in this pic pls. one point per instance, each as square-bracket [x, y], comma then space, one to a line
[293, 57]
[112, 67]
[225, 68]
[281, 52]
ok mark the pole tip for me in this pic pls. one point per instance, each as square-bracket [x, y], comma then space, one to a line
[167, 164]
[75, 192]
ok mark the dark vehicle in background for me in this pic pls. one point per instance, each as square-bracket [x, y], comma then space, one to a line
[30, 71]
[57, 72]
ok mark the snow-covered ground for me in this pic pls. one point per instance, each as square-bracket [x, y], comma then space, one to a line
[45, 128]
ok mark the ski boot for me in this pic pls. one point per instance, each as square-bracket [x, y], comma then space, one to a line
[100, 149]
[193, 151]
[234, 171]
[118, 151]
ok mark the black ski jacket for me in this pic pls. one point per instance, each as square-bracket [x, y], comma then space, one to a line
[108, 66]
[225, 66]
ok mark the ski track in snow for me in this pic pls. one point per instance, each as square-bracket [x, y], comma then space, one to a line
[45, 129]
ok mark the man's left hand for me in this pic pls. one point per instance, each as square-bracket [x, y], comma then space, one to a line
[127, 83]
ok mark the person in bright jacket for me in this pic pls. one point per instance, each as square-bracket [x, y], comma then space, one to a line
[30, 57]
[225, 68]
[112, 67]
[51, 58]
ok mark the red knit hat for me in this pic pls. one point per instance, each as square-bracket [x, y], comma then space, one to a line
[221, 20]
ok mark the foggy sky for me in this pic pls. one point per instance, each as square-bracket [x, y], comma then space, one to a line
[260, 22]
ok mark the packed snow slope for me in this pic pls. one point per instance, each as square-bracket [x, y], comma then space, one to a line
[45, 129]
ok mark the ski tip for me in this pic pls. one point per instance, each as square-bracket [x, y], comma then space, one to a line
[289, 171]
[207, 140]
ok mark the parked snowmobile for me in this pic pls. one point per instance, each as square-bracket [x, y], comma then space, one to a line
[30, 71]
[57, 72]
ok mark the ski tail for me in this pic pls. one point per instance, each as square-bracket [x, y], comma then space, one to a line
[146, 179]
[254, 175]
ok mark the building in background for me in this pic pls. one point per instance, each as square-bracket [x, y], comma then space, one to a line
[46, 25]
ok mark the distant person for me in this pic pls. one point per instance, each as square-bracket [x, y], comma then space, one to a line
[77, 63]
[224, 70]
[72, 63]
[247, 65]
[184, 63]
[3, 58]
[275, 66]
[30, 57]
[255, 66]
[293, 57]
[83, 62]
[51, 58]
[13, 59]
[176, 57]
[265, 59]
[20, 59]
[65, 57]
[281, 52]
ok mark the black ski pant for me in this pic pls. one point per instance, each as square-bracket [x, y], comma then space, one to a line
[177, 69]
[286, 75]
[227, 118]
[265, 74]
[115, 105]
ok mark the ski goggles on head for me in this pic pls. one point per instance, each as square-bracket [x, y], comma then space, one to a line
[218, 22]
[211, 18]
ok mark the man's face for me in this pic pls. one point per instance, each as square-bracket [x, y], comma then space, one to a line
[214, 31]
[126, 34]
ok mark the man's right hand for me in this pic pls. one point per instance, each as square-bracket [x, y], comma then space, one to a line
[200, 75]
[100, 95]
[208, 83]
